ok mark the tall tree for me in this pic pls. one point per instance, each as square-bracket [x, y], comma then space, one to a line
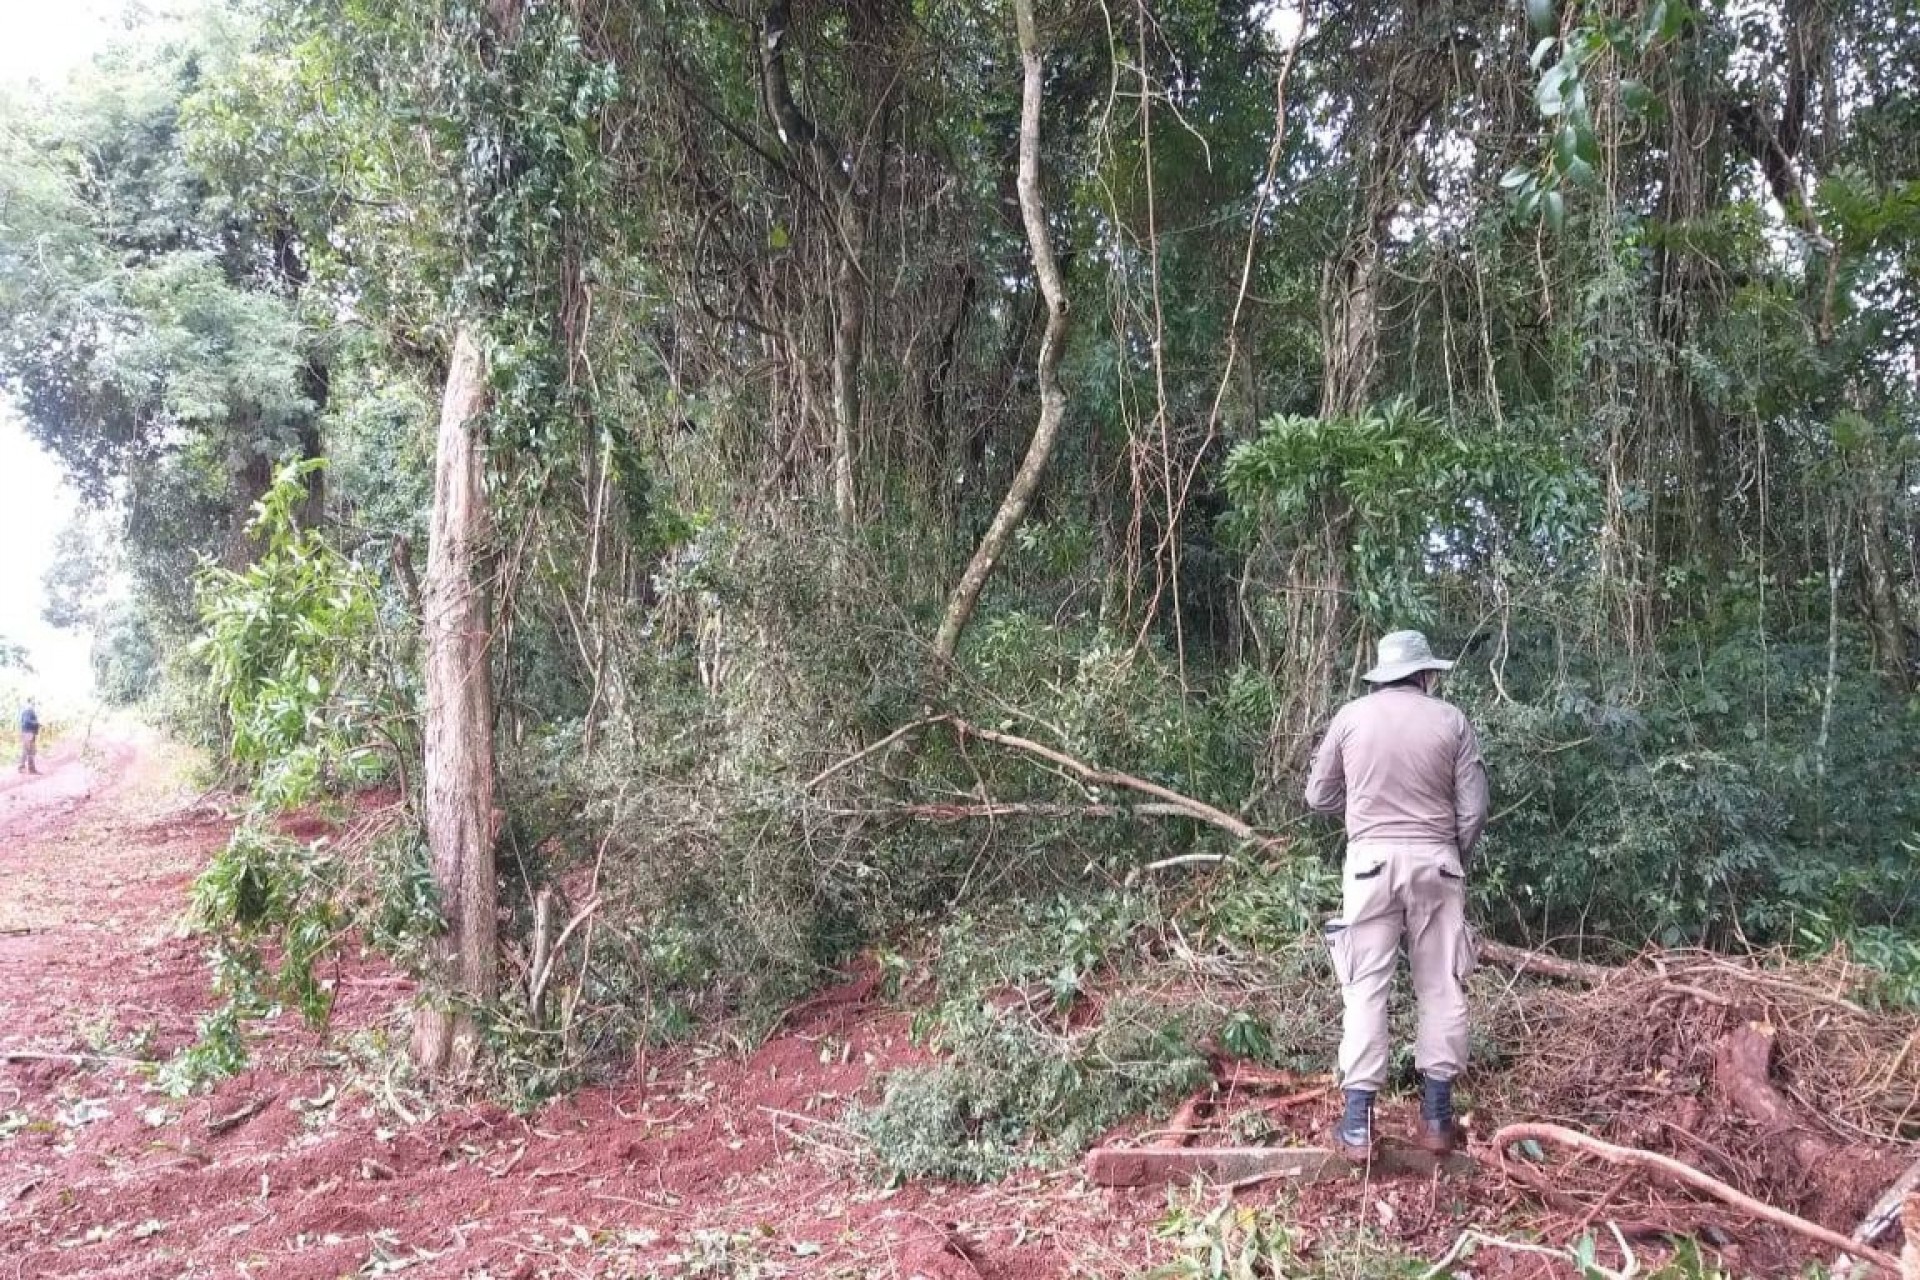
[459, 766]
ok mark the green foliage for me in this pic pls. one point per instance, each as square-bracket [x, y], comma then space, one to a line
[1232, 1241]
[1421, 497]
[294, 651]
[126, 656]
[1058, 1017]
[1011, 1093]
[1705, 812]
[218, 1051]
[295, 656]
[1566, 88]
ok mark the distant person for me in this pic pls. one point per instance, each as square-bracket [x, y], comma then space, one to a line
[1405, 769]
[29, 738]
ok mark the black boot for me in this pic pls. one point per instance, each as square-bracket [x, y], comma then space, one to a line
[1438, 1132]
[1353, 1135]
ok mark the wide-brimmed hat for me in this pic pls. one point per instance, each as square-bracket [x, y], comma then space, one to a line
[1401, 653]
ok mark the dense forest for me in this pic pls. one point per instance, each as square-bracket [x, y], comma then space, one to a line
[771, 481]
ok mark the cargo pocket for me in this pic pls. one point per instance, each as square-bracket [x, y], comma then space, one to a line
[1339, 950]
[1466, 952]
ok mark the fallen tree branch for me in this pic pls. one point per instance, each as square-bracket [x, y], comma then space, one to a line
[936, 812]
[1879, 1220]
[1183, 859]
[1554, 1198]
[864, 752]
[1521, 960]
[77, 1059]
[1187, 806]
[245, 1112]
[1171, 803]
[1654, 1162]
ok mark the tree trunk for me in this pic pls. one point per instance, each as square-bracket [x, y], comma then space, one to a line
[459, 722]
[1053, 401]
[1886, 620]
[849, 335]
[1318, 581]
[803, 137]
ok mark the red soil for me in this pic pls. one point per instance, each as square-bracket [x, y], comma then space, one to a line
[310, 1166]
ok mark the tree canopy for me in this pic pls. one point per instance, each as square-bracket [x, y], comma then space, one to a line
[1580, 335]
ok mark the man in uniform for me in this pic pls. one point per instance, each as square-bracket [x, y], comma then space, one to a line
[29, 738]
[1405, 769]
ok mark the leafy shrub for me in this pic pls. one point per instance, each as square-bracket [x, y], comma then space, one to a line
[296, 660]
[1703, 810]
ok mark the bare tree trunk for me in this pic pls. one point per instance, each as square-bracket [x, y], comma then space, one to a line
[1053, 401]
[1886, 621]
[802, 136]
[850, 326]
[459, 721]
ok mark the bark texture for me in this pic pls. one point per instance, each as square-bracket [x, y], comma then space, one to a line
[1053, 400]
[459, 720]
[802, 136]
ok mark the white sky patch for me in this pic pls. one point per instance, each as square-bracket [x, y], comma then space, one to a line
[35, 504]
[44, 42]
[47, 39]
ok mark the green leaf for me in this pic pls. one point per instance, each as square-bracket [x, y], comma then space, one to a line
[1516, 178]
[1540, 52]
[1554, 206]
[1550, 97]
[1566, 147]
[778, 238]
[1635, 97]
[1849, 428]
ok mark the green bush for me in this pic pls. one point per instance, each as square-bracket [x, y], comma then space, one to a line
[1703, 810]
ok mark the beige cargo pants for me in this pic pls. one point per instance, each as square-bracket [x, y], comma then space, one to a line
[1416, 893]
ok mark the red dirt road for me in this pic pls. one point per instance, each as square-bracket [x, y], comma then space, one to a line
[310, 1165]
[317, 1163]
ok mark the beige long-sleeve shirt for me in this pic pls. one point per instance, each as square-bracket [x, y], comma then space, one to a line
[1405, 766]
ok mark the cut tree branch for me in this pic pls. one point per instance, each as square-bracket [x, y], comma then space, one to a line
[1186, 806]
[1521, 960]
[1879, 1221]
[1653, 1162]
[1172, 804]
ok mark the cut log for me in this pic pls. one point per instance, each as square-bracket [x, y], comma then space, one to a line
[1520, 960]
[1157, 1166]
[1743, 1069]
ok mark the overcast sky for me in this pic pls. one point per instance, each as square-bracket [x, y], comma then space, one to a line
[43, 40]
